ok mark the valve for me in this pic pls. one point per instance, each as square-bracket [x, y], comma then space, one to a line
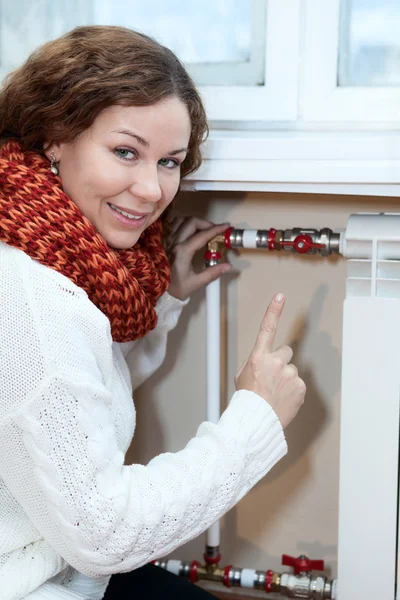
[303, 243]
[302, 564]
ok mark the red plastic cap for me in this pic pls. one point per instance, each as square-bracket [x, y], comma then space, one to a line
[227, 237]
[193, 571]
[225, 579]
[209, 560]
[268, 581]
[302, 564]
[209, 255]
[272, 239]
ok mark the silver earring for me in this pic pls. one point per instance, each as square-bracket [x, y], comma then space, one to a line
[53, 164]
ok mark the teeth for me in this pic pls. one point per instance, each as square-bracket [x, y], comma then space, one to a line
[125, 214]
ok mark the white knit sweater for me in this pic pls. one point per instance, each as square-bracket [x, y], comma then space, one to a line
[71, 512]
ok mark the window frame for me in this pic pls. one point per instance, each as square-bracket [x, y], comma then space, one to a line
[325, 162]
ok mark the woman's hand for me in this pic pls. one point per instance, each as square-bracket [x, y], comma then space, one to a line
[268, 373]
[188, 235]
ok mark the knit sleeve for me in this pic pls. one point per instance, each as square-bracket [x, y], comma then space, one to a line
[60, 457]
[146, 355]
[64, 468]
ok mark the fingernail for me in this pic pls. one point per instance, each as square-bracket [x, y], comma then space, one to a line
[226, 268]
[279, 298]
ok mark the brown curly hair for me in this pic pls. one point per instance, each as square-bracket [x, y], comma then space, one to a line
[66, 83]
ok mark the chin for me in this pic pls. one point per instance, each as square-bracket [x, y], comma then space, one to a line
[121, 243]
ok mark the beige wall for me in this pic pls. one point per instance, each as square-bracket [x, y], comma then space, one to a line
[294, 509]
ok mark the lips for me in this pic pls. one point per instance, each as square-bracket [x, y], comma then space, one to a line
[134, 213]
[132, 220]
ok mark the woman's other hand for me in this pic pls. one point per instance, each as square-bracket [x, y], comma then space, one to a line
[187, 236]
[267, 372]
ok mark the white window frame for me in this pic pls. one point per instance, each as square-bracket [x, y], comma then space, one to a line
[276, 100]
[322, 99]
[321, 162]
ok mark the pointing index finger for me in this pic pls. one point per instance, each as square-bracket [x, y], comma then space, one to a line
[266, 335]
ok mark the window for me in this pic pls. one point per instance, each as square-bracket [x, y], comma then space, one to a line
[352, 62]
[302, 95]
[369, 48]
[238, 52]
[222, 42]
[25, 25]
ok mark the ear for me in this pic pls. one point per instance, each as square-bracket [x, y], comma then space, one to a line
[52, 148]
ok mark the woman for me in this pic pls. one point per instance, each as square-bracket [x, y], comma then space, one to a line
[97, 129]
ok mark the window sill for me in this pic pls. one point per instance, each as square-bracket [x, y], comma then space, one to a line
[364, 163]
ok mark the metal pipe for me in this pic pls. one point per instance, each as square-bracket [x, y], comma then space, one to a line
[300, 584]
[299, 240]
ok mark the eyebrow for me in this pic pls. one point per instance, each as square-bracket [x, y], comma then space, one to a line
[145, 143]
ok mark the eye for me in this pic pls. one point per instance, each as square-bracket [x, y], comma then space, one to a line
[125, 153]
[169, 163]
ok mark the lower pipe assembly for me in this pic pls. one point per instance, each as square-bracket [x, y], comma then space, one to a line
[302, 583]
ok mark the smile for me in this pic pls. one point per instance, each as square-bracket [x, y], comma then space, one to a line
[132, 221]
[126, 214]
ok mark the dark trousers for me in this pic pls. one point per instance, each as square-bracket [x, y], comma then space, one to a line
[152, 583]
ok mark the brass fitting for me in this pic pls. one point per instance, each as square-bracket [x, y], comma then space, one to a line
[210, 573]
[215, 251]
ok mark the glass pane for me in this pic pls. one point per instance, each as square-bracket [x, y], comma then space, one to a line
[210, 31]
[221, 41]
[369, 53]
[25, 25]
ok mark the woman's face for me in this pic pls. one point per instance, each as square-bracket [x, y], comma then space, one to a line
[128, 160]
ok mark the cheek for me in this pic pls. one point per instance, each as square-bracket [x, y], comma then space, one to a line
[105, 182]
[171, 186]
[95, 172]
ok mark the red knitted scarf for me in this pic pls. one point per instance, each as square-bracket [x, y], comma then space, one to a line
[37, 217]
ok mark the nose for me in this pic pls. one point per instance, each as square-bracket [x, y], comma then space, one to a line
[146, 183]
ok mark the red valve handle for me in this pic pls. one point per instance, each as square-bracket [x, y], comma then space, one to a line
[302, 243]
[302, 564]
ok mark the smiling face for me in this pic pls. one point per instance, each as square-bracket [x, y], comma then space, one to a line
[124, 170]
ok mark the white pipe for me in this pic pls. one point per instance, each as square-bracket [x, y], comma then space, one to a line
[249, 238]
[213, 366]
[174, 566]
[247, 578]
